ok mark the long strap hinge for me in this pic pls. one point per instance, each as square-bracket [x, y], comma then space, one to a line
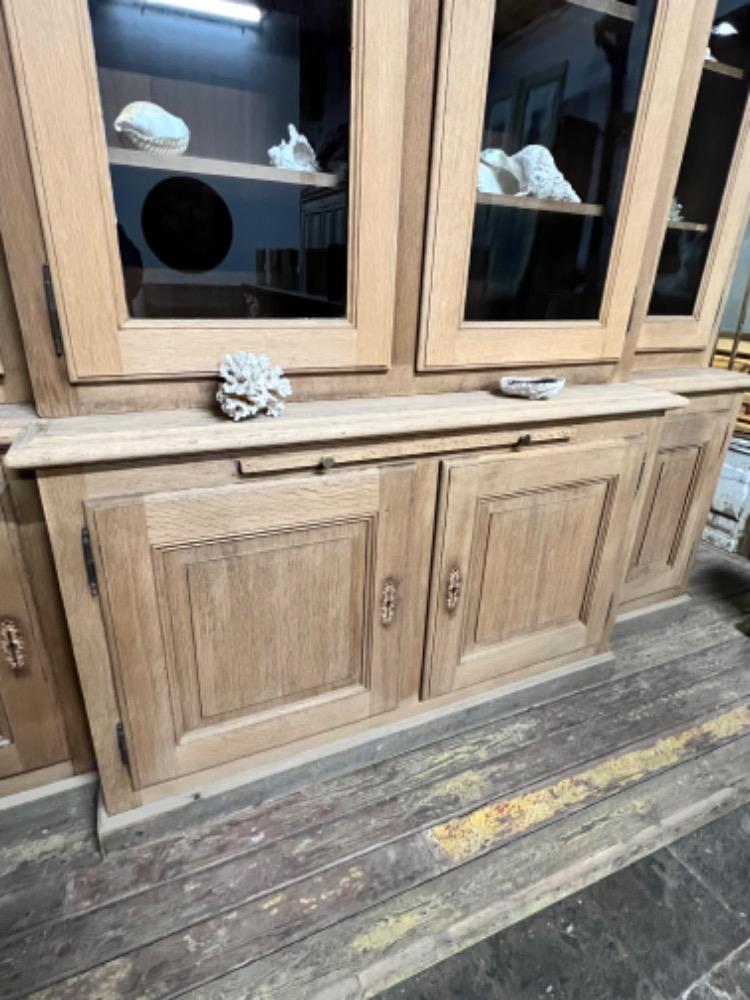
[54, 316]
[88, 561]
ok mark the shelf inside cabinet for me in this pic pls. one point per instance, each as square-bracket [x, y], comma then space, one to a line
[539, 204]
[691, 227]
[615, 8]
[724, 68]
[218, 168]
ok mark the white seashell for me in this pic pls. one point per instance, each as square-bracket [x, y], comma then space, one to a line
[542, 179]
[498, 173]
[296, 153]
[676, 211]
[146, 126]
[251, 385]
[531, 171]
[531, 388]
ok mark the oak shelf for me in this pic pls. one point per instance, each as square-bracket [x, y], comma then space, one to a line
[539, 204]
[218, 168]
[724, 69]
[691, 227]
[615, 8]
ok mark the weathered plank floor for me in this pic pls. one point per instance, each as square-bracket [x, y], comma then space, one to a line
[341, 888]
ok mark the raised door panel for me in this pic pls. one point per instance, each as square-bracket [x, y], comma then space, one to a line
[528, 557]
[175, 241]
[249, 616]
[523, 265]
[676, 503]
[31, 729]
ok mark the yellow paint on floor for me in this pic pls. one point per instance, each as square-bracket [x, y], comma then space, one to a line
[387, 932]
[463, 838]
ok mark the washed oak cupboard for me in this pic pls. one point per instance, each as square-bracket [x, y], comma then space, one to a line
[403, 537]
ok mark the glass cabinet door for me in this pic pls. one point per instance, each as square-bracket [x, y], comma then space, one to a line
[216, 175]
[708, 204]
[550, 129]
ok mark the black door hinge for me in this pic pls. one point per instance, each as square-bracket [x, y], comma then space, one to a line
[640, 478]
[88, 562]
[54, 316]
[628, 328]
[122, 745]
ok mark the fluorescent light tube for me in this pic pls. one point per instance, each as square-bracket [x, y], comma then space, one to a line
[222, 10]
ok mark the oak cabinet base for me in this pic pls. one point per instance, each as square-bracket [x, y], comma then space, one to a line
[230, 608]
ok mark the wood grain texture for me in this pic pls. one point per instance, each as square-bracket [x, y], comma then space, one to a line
[386, 796]
[275, 918]
[643, 747]
[206, 166]
[21, 229]
[102, 342]
[362, 956]
[30, 718]
[504, 526]
[688, 463]
[184, 432]
[446, 339]
[14, 377]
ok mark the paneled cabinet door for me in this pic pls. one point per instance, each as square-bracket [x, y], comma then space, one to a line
[31, 728]
[689, 260]
[529, 553]
[252, 615]
[676, 503]
[525, 264]
[216, 177]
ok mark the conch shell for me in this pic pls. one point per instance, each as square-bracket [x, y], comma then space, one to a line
[148, 127]
[530, 172]
[296, 153]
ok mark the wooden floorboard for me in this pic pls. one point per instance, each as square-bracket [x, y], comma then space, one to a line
[249, 905]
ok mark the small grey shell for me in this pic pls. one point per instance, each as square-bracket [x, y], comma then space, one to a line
[531, 388]
[148, 127]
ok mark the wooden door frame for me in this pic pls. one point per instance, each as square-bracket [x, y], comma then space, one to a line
[696, 334]
[446, 340]
[101, 341]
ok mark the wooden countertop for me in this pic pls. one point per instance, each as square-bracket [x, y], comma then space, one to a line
[124, 437]
[13, 418]
[692, 380]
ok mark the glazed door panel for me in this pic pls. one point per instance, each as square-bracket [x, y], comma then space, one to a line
[181, 234]
[691, 258]
[31, 729]
[248, 616]
[529, 547]
[677, 501]
[521, 268]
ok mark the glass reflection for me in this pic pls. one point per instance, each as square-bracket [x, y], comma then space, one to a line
[222, 211]
[564, 75]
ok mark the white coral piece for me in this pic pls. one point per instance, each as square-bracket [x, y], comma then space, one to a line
[296, 153]
[148, 127]
[542, 179]
[251, 385]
